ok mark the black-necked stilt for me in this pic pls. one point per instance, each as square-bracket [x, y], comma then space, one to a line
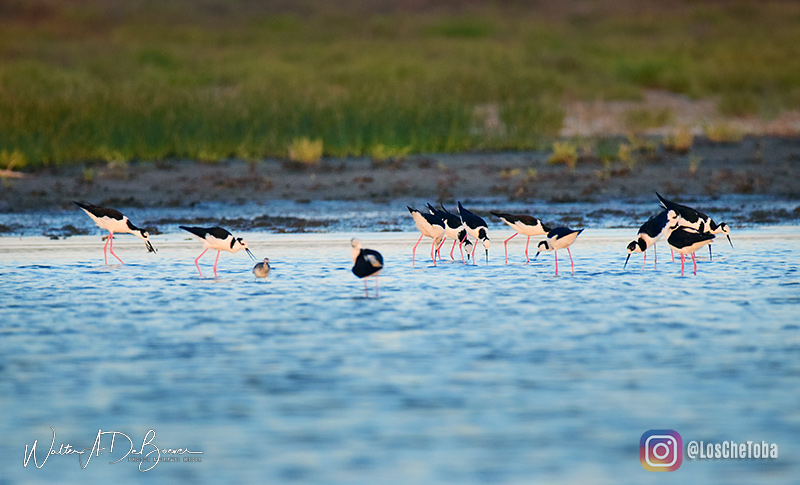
[688, 241]
[523, 224]
[366, 262]
[261, 270]
[651, 231]
[440, 215]
[429, 226]
[113, 221]
[218, 239]
[559, 238]
[477, 228]
[453, 228]
[685, 216]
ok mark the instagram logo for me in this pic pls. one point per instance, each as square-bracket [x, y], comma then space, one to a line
[661, 450]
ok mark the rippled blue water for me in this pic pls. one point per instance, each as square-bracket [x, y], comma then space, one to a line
[457, 374]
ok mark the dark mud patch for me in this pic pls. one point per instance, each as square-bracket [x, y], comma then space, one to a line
[277, 224]
[65, 231]
[775, 216]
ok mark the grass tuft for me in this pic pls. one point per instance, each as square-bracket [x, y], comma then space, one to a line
[564, 152]
[723, 133]
[305, 151]
[679, 141]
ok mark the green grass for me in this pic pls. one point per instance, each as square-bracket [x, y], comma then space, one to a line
[145, 79]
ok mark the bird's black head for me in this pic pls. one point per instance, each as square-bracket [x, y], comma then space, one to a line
[484, 237]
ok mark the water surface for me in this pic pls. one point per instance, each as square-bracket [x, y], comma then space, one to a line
[456, 374]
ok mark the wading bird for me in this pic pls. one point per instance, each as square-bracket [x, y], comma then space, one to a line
[261, 270]
[651, 231]
[477, 228]
[428, 226]
[453, 228]
[523, 224]
[687, 241]
[113, 221]
[559, 238]
[685, 216]
[218, 239]
[366, 262]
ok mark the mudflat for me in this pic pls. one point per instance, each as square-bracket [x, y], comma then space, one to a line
[755, 165]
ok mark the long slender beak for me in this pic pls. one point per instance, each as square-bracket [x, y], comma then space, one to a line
[150, 248]
[536, 256]
[487, 256]
[250, 254]
[729, 240]
[626, 261]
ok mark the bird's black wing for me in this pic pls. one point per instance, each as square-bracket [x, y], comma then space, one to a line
[681, 238]
[98, 211]
[367, 263]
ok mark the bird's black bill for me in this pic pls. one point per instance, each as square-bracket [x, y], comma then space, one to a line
[150, 248]
[729, 240]
[487, 256]
[250, 254]
[536, 256]
[626, 262]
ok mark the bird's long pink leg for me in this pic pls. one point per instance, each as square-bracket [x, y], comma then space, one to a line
[645, 258]
[366, 293]
[414, 251]
[571, 264]
[527, 259]
[433, 248]
[672, 252]
[455, 240]
[105, 248]
[682, 264]
[461, 249]
[695, 264]
[473, 251]
[376, 286]
[440, 247]
[111, 247]
[555, 252]
[198, 259]
[655, 257]
[505, 245]
[215, 265]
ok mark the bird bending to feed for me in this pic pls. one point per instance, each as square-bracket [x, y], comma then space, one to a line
[687, 241]
[261, 270]
[651, 231]
[113, 221]
[477, 228]
[559, 238]
[523, 224]
[429, 226]
[453, 228]
[684, 216]
[219, 239]
[366, 262]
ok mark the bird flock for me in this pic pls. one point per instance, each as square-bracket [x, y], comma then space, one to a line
[685, 229]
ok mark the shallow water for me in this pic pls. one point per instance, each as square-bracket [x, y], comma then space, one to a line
[457, 374]
[392, 216]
